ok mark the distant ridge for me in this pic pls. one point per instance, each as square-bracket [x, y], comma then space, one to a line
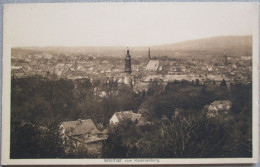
[234, 45]
[231, 45]
[220, 41]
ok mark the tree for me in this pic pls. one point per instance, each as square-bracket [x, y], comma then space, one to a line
[197, 82]
[155, 87]
[223, 83]
[122, 141]
[189, 137]
[32, 141]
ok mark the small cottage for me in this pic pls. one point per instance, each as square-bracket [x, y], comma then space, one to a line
[125, 115]
[218, 108]
[83, 132]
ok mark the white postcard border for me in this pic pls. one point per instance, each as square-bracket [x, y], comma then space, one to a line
[6, 88]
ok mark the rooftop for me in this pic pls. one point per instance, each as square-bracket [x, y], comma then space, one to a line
[79, 127]
[153, 65]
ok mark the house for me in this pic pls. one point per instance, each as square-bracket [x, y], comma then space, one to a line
[83, 132]
[125, 115]
[218, 108]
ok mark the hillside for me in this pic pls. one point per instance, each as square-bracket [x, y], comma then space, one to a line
[231, 45]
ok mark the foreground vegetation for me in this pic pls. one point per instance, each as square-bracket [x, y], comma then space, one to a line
[39, 104]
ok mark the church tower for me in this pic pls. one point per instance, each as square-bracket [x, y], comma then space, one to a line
[149, 54]
[128, 70]
[225, 59]
[128, 62]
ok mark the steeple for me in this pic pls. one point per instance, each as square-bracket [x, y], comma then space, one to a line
[149, 56]
[225, 59]
[127, 52]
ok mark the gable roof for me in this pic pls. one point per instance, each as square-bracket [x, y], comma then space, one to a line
[153, 65]
[79, 127]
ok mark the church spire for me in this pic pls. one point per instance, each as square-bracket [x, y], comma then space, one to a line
[149, 56]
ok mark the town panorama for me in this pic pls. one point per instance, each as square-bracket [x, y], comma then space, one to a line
[186, 100]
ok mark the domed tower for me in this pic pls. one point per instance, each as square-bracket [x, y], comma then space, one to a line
[127, 78]
[128, 62]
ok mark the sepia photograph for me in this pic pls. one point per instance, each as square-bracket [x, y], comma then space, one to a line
[130, 83]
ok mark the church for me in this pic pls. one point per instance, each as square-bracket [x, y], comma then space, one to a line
[128, 70]
[152, 65]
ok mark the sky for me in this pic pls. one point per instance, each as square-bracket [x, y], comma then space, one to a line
[125, 23]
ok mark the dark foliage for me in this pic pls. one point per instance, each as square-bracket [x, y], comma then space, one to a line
[32, 141]
[39, 104]
[186, 137]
